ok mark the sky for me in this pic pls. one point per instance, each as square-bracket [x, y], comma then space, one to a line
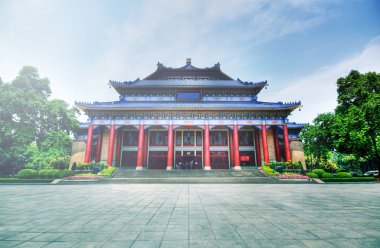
[301, 47]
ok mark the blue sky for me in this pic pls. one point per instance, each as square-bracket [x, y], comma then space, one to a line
[300, 46]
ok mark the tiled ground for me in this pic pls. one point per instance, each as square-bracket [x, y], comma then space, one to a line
[343, 215]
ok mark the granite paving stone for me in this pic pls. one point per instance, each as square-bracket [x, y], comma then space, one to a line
[190, 215]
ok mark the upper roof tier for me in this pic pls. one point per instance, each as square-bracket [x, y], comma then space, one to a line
[188, 71]
[188, 76]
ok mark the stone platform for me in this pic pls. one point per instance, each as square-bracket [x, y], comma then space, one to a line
[189, 215]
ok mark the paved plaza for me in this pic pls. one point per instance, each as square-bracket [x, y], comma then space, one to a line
[190, 215]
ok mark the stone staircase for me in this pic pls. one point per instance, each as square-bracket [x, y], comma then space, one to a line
[190, 176]
[127, 173]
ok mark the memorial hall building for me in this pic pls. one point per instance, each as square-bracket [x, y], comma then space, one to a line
[187, 117]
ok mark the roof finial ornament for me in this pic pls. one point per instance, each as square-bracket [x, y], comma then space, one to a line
[188, 61]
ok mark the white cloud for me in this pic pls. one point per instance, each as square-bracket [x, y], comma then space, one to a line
[207, 31]
[318, 90]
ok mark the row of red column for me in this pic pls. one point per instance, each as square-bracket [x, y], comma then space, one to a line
[235, 157]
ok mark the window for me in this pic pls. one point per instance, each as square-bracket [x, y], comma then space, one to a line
[158, 138]
[188, 95]
[246, 138]
[188, 138]
[199, 138]
[218, 138]
[178, 138]
[130, 138]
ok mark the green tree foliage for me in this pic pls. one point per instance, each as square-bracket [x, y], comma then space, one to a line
[28, 116]
[318, 138]
[358, 115]
[53, 153]
[354, 127]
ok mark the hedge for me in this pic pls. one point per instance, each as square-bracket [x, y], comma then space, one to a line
[319, 172]
[344, 175]
[49, 173]
[27, 174]
[18, 180]
[66, 173]
[327, 175]
[312, 175]
[352, 179]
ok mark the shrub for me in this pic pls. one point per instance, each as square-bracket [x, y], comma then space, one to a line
[66, 173]
[319, 172]
[107, 171]
[60, 162]
[268, 170]
[81, 166]
[49, 173]
[344, 175]
[291, 165]
[96, 167]
[27, 173]
[312, 175]
[327, 175]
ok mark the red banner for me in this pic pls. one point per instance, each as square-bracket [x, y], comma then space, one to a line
[244, 158]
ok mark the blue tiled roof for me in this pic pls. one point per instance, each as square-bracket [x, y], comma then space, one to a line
[197, 83]
[294, 125]
[206, 105]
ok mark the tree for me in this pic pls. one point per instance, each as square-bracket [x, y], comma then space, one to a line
[27, 116]
[53, 153]
[358, 115]
[318, 138]
[354, 127]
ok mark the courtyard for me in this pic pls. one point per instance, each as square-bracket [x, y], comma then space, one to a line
[189, 215]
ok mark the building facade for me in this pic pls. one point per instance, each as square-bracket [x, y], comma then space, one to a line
[187, 117]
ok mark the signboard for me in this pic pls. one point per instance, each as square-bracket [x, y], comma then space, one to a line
[244, 158]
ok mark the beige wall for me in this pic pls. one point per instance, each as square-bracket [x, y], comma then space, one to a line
[271, 149]
[104, 152]
[105, 145]
[77, 151]
[297, 152]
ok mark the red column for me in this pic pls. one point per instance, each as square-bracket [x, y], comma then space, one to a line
[99, 145]
[87, 156]
[140, 148]
[276, 145]
[145, 153]
[236, 148]
[231, 141]
[265, 143]
[288, 156]
[206, 148]
[170, 147]
[118, 146]
[111, 145]
[257, 146]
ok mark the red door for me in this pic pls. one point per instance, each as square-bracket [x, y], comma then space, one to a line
[158, 160]
[129, 158]
[219, 160]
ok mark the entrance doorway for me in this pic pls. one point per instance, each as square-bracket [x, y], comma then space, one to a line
[188, 160]
[158, 160]
[247, 158]
[219, 159]
[128, 159]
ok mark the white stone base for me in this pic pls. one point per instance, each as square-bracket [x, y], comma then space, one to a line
[207, 168]
[169, 168]
[237, 168]
[139, 168]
